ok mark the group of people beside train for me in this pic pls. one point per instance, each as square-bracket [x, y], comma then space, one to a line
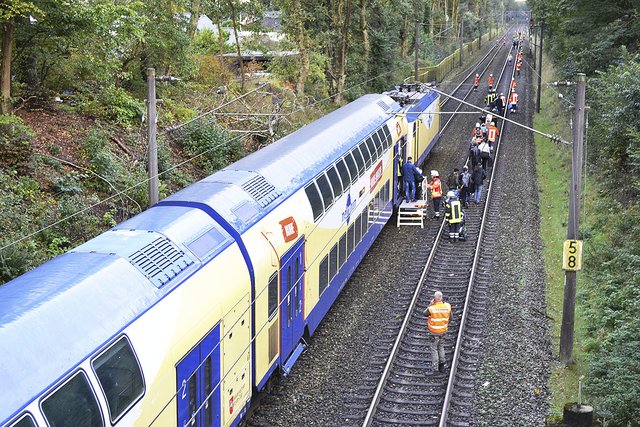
[461, 185]
[454, 194]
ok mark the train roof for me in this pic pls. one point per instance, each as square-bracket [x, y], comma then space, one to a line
[274, 173]
[83, 290]
[57, 314]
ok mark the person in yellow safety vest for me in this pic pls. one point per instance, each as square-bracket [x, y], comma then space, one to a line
[491, 99]
[476, 82]
[436, 191]
[513, 102]
[453, 215]
[492, 134]
[491, 81]
[438, 314]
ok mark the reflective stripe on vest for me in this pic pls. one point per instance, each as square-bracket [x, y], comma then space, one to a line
[436, 189]
[439, 314]
[456, 212]
[514, 98]
[492, 134]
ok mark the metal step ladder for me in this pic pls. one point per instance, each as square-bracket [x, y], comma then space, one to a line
[412, 213]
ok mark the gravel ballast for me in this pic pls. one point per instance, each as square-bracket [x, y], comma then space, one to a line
[510, 388]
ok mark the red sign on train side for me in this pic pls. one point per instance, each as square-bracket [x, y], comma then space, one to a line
[289, 229]
[376, 176]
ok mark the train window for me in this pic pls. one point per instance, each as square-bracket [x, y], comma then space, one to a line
[314, 199]
[350, 245]
[378, 143]
[365, 153]
[383, 139]
[358, 230]
[344, 174]
[323, 278]
[25, 421]
[333, 262]
[342, 252]
[372, 149]
[120, 377]
[365, 221]
[273, 294]
[325, 191]
[73, 404]
[335, 181]
[353, 169]
[387, 134]
[359, 160]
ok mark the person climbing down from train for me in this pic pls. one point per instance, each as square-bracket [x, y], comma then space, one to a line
[436, 191]
[438, 315]
[491, 82]
[492, 135]
[453, 214]
[513, 102]
[399, 172]
[465, 186]
[476, 82]
[478, 176]
[409, 176]
[453, 180]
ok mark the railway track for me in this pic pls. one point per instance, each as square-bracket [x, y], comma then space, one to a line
[405, 394]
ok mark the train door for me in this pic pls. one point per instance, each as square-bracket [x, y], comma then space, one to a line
[198, 384]
[291, 297]
[399, 157]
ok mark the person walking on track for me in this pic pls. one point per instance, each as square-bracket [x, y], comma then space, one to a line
[438, 314]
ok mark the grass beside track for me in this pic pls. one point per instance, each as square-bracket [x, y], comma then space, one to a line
[553, 163]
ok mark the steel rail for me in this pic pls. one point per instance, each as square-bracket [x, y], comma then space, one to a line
[454, 365]
[387, 369]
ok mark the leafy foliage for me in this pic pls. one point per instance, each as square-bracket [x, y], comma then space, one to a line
[15, 145]
[211, 147]
[612, 305]
[615, 109]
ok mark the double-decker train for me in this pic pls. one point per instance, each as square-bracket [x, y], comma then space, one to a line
[181, 314]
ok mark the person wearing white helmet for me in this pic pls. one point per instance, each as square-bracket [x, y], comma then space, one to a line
[476, 82]
[436, 191]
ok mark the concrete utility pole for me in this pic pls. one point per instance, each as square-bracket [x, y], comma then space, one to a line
[461, 39]
[568, 307]
[151, 136]
[417, 48]
[540, 71]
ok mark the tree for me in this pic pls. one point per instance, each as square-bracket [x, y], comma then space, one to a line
[10, 11]
[295, 20]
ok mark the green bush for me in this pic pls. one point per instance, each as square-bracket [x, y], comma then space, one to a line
[16, 146]
[112, 103]
[211, 147]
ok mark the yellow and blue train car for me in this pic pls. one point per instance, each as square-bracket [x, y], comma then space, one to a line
[181, 314]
